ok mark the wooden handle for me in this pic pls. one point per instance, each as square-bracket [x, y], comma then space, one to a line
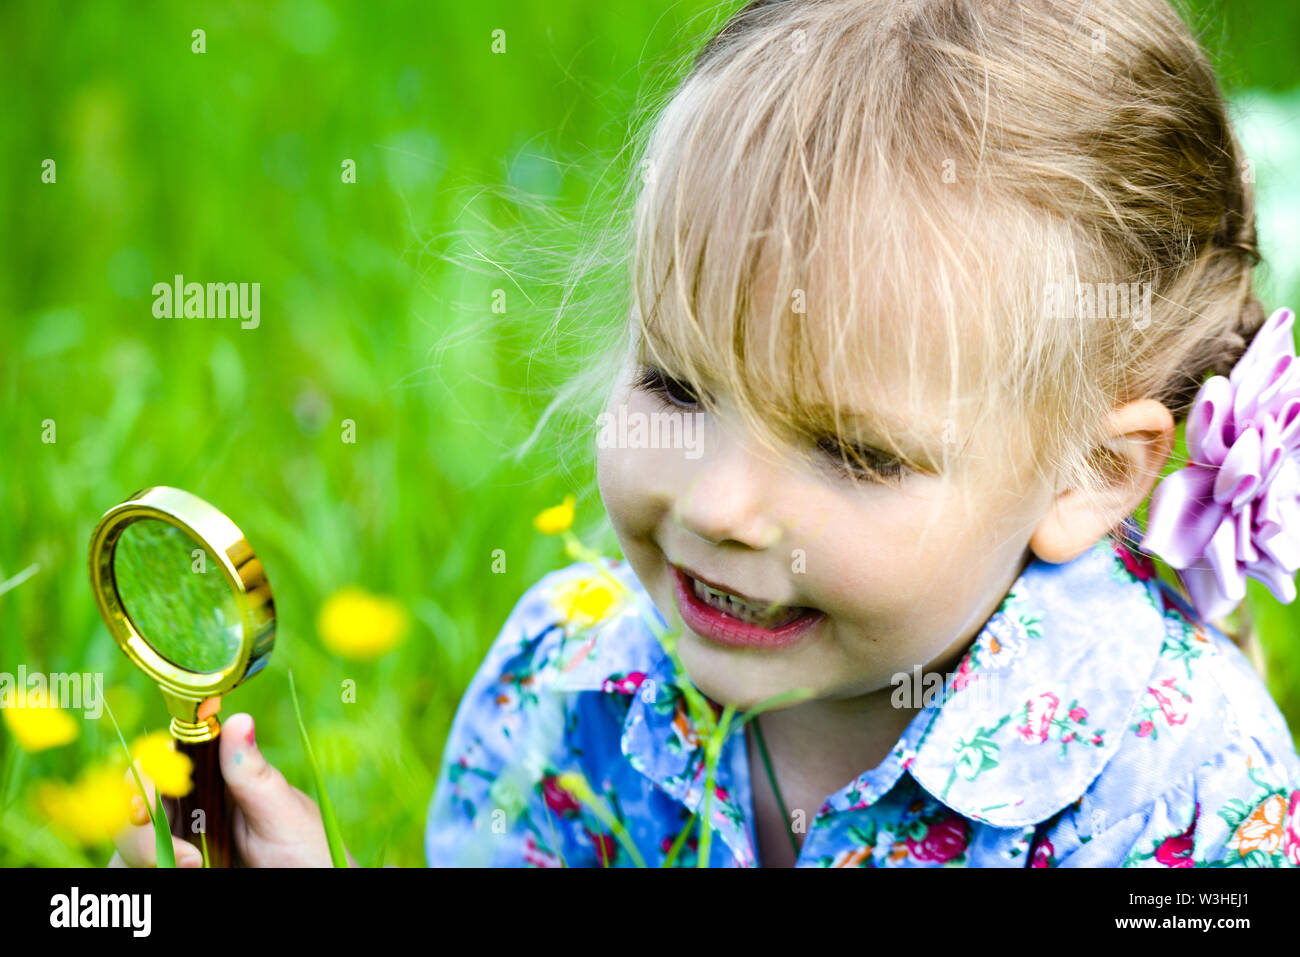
[209, 797]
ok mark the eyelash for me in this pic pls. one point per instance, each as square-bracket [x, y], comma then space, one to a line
[885, 468]
[659, 384]
[882, 468]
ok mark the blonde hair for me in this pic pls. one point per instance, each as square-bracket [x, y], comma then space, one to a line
[881, 192]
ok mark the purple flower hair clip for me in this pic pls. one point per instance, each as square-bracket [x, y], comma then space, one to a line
[1233, 510]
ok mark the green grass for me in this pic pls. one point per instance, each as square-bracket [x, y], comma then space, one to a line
[376, 308]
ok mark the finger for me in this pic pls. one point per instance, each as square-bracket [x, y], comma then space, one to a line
[187, 855]
[139, 809]
[136, 847]
[261, 791]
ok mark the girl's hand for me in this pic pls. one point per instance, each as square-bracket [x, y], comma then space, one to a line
[273, 823]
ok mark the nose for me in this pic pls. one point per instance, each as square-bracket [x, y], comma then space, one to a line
[729, 499]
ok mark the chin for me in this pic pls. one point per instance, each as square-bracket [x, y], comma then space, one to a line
[729, 685]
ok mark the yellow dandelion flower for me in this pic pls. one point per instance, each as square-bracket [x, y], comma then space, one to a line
[557, 519]
[37, 725]
[585, 601]
[356, 624]
[93, 809]
[168, 768]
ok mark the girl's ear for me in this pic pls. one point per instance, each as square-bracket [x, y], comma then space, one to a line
[1142, 436]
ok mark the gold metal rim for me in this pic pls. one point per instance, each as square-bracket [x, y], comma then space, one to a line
[185, 690]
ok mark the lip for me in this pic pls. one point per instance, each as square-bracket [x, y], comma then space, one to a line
[717, 626]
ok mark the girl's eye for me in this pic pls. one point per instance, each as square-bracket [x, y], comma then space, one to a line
[657, 382]
[856, 460]
[861, 460]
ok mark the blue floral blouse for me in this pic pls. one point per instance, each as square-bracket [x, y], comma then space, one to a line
[1122, 732]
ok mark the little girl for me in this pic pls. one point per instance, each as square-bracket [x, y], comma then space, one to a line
[935, 281]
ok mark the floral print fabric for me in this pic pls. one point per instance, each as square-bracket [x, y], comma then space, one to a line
[1093, 722]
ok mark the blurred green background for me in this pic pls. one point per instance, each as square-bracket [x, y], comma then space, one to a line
[376, 307]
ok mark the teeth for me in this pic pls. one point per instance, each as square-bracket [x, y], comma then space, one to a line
[765, 616]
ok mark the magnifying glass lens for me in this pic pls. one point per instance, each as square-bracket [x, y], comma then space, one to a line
[173, 589]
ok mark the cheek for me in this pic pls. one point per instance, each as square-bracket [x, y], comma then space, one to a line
[612, 475]
[628, 487]
[883, 567]
[612, 479]
[636, 481]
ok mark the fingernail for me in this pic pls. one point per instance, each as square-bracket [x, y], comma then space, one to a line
[252, 733]
[189, 860]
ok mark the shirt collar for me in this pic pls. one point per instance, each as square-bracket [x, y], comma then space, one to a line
[1042, 698]
[1035, 709]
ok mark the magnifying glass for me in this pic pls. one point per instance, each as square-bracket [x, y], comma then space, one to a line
[187, 600]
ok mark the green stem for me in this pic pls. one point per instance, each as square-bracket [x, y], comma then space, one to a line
[727, 714]
[706, 816]
[164, 849]
[712, 752]
[681, 839]
[555, 841]
[130, 763]
[333, 837]
[620, 832]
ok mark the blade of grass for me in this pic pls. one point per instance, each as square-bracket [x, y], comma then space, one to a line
[681, 840]
[576, 784]
[337, 854]
[554, 840]
[162, 834]
[129, 761]
[21, 577]
[712, 751]
[795, 694]
[715, 738]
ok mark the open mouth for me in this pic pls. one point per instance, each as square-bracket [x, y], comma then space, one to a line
[738, 619]
[768, 615]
